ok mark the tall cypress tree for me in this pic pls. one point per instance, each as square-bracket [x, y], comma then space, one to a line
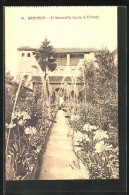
[44, 56]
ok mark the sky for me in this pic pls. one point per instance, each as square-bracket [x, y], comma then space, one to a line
[82, 31]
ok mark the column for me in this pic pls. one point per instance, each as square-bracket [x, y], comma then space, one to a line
[68, 59]
[85, 55]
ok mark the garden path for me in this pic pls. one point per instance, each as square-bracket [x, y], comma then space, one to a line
[59, 161]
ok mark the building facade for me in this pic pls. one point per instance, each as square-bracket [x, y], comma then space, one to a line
[69, 66]
[68, 61]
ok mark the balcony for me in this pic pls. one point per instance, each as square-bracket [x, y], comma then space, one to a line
[65, 71]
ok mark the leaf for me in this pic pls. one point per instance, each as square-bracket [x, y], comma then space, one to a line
[15, 146]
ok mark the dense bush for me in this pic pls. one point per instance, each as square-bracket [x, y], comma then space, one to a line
[102, 90]
[26, 128]
[94, 122]
[97, 149]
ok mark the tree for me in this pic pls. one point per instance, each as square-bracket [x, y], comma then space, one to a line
[108, 74]
[44, 56]
[105, 60]
[8, 77]
[102, 89]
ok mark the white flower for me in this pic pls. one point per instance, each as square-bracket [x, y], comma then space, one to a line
[38, 150]
[86, 127]
[30, 130]
[21, 122]
[74, 117]
[10, 126]
[27, 130]
[15, 115]
[79, 136]
[100, 134]
[25, 115]
[86, 138]
[93, 127]
[34, 130]
[100, 147]
[19, 114]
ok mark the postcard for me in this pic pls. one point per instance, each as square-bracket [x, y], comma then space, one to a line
[61, 93]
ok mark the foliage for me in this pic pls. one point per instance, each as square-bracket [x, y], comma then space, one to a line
[44, 56]
[96, 150]
[28, 129]
[101, 90]
[105, 60]
[94, 122]
[8, 77]
[9, 96]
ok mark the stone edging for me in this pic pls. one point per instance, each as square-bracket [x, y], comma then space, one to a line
[34, 171]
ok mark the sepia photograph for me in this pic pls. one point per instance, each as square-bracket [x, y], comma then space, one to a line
[61, 93]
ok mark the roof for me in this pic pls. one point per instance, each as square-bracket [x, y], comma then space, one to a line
[26, 48]
[61, 50]
[54, 79]
[74, 50]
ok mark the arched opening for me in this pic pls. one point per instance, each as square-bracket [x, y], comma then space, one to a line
[59, 96]
[72, 94]
[80, 96]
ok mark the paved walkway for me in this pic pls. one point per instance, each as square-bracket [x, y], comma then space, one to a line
[59, 161]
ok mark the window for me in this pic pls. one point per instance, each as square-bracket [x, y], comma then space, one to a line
[63, 56]
[56, 55]
[81, 56]
[28, 55]
[23, 54]
[73, 56]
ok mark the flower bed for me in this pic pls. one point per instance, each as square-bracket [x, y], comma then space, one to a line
[96, 148]
[26, 131]
[25, 147]
[93, 117]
